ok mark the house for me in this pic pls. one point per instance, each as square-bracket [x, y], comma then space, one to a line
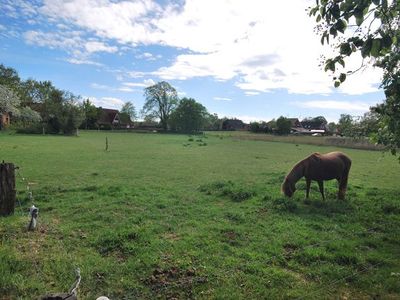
[5, 120]
[109, 119]
[314, 124]
[234, 124]
[295, 123]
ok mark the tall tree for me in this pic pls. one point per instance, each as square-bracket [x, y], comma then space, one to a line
[9, 103]
[374, 27]
[189, 116]
[283, 125]
[9, 77]
[161, 100]
[91, 115]
[128, 112]
[345, 125]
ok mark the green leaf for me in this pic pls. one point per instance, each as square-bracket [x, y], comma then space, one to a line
[376, 2]
[341, 26]
[358, 42]
[376, 47]
[333, 31]
[345, 49]
[342, 77]
[335, 10]
[337, 84]
[359, 20]
[386, 41]
[318, 18]
[366, 48]
[330, 65]
[341, 61]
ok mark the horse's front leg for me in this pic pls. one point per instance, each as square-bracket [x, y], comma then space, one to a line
[308, 184]
[321, 188]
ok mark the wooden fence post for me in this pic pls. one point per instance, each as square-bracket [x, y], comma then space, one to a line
[7, 189]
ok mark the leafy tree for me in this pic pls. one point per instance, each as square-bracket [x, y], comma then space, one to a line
[345, 125]
[9, 103]
[189, 116]
[70, 117]
[91, 115]
[332, 127]
[161, 100]
[375, 32]
[128, 113]
[212, 122]
[283, 125]
[9, 77]
[254, 127]
[33, 92]
[27, 116]
[369, 124]
[316, 122]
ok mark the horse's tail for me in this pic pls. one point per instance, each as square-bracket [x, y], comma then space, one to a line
[344, 178]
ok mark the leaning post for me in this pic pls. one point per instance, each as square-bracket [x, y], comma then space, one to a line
[7, 189]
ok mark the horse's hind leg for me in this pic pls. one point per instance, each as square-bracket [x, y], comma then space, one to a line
[308, 184]
[342, 188]
[321, 189]
[343, 181]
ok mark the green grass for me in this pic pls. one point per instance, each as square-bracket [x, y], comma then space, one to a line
[173, 216]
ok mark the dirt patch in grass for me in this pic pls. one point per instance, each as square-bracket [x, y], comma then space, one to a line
[170, 236]
[174, 282]
[232, 237]
[289, 250]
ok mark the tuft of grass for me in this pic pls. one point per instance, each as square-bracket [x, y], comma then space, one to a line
[228, 189]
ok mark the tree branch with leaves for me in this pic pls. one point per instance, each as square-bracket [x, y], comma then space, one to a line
[370, 28]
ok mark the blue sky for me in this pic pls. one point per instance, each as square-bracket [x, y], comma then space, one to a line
[250, 59]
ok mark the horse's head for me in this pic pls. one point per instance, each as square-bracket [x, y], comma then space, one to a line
[288, 188]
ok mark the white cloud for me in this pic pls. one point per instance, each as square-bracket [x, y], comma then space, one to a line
[125, 89]
[72, 42]
[251, 93]
[222, 99]
[335, 105]
[126, 22]
[77, 61]
[145, 83]
[95, 46]
[260, 45]
[148, 56]
[99, 86]
[106, 102]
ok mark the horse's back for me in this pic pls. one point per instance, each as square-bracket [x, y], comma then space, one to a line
[338, 156]
[328, 166]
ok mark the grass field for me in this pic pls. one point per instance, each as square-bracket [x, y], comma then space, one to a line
[173, 216]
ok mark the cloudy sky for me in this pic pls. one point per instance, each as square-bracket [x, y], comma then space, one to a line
[251, 59]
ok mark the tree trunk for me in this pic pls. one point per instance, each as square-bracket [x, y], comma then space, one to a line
[7, 189]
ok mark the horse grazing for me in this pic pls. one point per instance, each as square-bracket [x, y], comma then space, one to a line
[319, 167]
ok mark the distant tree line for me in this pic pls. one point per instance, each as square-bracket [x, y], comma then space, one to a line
[40, 107]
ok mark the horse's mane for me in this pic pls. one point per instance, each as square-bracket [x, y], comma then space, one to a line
[296, 173]
[298, 170]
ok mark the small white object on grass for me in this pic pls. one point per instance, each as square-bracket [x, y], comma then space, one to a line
[33, 214]
[102, 298]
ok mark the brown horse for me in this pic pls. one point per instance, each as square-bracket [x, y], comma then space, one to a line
[319, 167]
